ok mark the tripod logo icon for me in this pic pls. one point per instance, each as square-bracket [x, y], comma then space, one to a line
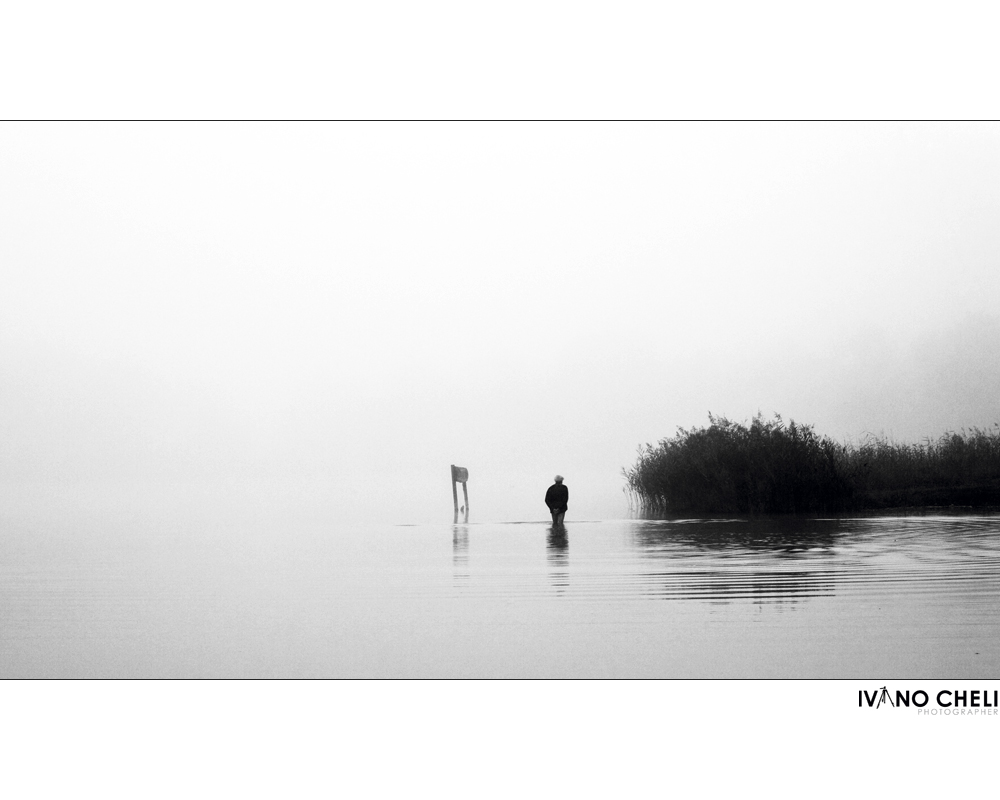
[883, 697]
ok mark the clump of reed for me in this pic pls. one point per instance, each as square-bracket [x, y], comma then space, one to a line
[959, 468]
[772, 467]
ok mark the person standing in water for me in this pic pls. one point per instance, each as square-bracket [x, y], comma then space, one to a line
[556, 499]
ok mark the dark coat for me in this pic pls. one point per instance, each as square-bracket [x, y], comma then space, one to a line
[557, 497]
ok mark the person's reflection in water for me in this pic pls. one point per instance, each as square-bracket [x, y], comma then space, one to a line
[557, 552]
[460, 553]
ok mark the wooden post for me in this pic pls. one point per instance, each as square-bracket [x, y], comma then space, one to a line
[460, 475]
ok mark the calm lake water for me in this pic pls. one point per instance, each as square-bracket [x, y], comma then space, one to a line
[887, 597]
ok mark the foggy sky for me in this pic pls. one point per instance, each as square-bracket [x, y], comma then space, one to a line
[320, 319]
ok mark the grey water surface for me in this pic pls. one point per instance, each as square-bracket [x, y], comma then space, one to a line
[878, 597]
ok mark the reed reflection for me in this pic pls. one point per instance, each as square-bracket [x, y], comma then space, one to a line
[762, 560]
[753, 585]
[777, 536]
[557, 555]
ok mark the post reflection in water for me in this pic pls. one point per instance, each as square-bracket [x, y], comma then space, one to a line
[557, 553]
[460, 552]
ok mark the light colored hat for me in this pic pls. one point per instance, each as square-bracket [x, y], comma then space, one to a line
[558, 479]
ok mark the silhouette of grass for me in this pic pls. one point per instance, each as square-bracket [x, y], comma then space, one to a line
[773, 467]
